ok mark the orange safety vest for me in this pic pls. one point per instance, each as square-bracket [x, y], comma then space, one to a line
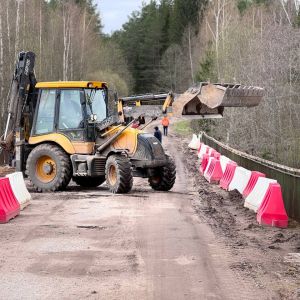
[165, 122]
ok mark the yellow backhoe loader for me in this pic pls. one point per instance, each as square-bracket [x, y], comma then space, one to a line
[58, 131]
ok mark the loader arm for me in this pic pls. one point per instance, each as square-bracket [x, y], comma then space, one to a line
[204, 100]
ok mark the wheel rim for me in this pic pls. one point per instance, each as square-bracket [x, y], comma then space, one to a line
[112, 175]
[45, 169]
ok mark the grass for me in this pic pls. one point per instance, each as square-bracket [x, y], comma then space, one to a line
[183, 127]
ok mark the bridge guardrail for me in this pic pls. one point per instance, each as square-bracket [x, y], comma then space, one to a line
[289, 178]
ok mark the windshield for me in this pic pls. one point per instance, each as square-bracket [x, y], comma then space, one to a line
[95, 100]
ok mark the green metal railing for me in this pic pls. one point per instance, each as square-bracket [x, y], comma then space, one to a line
[289, 178]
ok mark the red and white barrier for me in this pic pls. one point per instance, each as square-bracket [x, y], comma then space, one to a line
[255, 198]
[199, 148]
[204, 150]
[252, 182]
[224, 160]
[271, 211]
[213, 172]
[195, 142]
[19, 189]
[240, 180]
[228, 175]
[9, 205]
[204, 164]
[217, 155]
[262, 195]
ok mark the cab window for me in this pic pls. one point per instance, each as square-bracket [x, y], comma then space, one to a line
[70, 111]
[46, 112]
[96, 103]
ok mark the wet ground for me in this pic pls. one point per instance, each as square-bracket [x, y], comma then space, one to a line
[195, 242]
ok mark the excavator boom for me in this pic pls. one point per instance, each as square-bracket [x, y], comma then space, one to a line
[23, 82]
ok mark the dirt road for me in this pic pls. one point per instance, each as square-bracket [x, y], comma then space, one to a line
[89, 244]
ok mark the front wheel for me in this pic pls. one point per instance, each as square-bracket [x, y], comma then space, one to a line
[49, 168]
[164, 177]
[118, 173]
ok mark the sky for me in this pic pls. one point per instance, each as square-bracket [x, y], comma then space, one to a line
[114, 13]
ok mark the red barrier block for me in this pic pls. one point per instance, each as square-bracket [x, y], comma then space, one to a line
[9, 205]
[252, 182]
[213, 172]
[272, 211]
[204, 163]
[217, 155]
[228, 175]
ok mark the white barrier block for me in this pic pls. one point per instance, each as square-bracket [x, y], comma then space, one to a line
[224, 160]
[195, 143]
[255, 198]
[19, 189]
[240, 179]
[202, 151]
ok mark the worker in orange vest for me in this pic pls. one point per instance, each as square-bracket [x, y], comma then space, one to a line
[165, 123]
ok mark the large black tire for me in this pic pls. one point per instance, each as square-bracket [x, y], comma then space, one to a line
[89, 182]
[165, 176]
[62, 167]
[118, 172]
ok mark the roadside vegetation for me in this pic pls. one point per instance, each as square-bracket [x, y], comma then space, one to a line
[171, 44]
[183, 127]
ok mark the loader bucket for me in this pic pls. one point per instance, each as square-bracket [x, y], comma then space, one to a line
[208, 100]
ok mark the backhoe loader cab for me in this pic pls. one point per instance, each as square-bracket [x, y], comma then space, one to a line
[68, 107]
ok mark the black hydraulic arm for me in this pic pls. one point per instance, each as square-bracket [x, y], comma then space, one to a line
[23, 82]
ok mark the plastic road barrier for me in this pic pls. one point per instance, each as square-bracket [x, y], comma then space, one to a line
[213, 172]
[252, 182]
[228, 175]
[255, 198]
[9, 205]
[240, 179]
[204, 150]
[217, 155]
[194, 144]
[211, 151]
[199, 148]
[204, 163]
[224, 160]
[272, 211]
[20, 191]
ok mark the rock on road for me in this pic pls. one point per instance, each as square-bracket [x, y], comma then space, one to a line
[90, 244]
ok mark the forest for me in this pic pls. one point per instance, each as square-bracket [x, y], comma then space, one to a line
[170, 45]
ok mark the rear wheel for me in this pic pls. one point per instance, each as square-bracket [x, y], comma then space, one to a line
[49, 168]
[164, 177]
[89, 182]
[118, 172]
